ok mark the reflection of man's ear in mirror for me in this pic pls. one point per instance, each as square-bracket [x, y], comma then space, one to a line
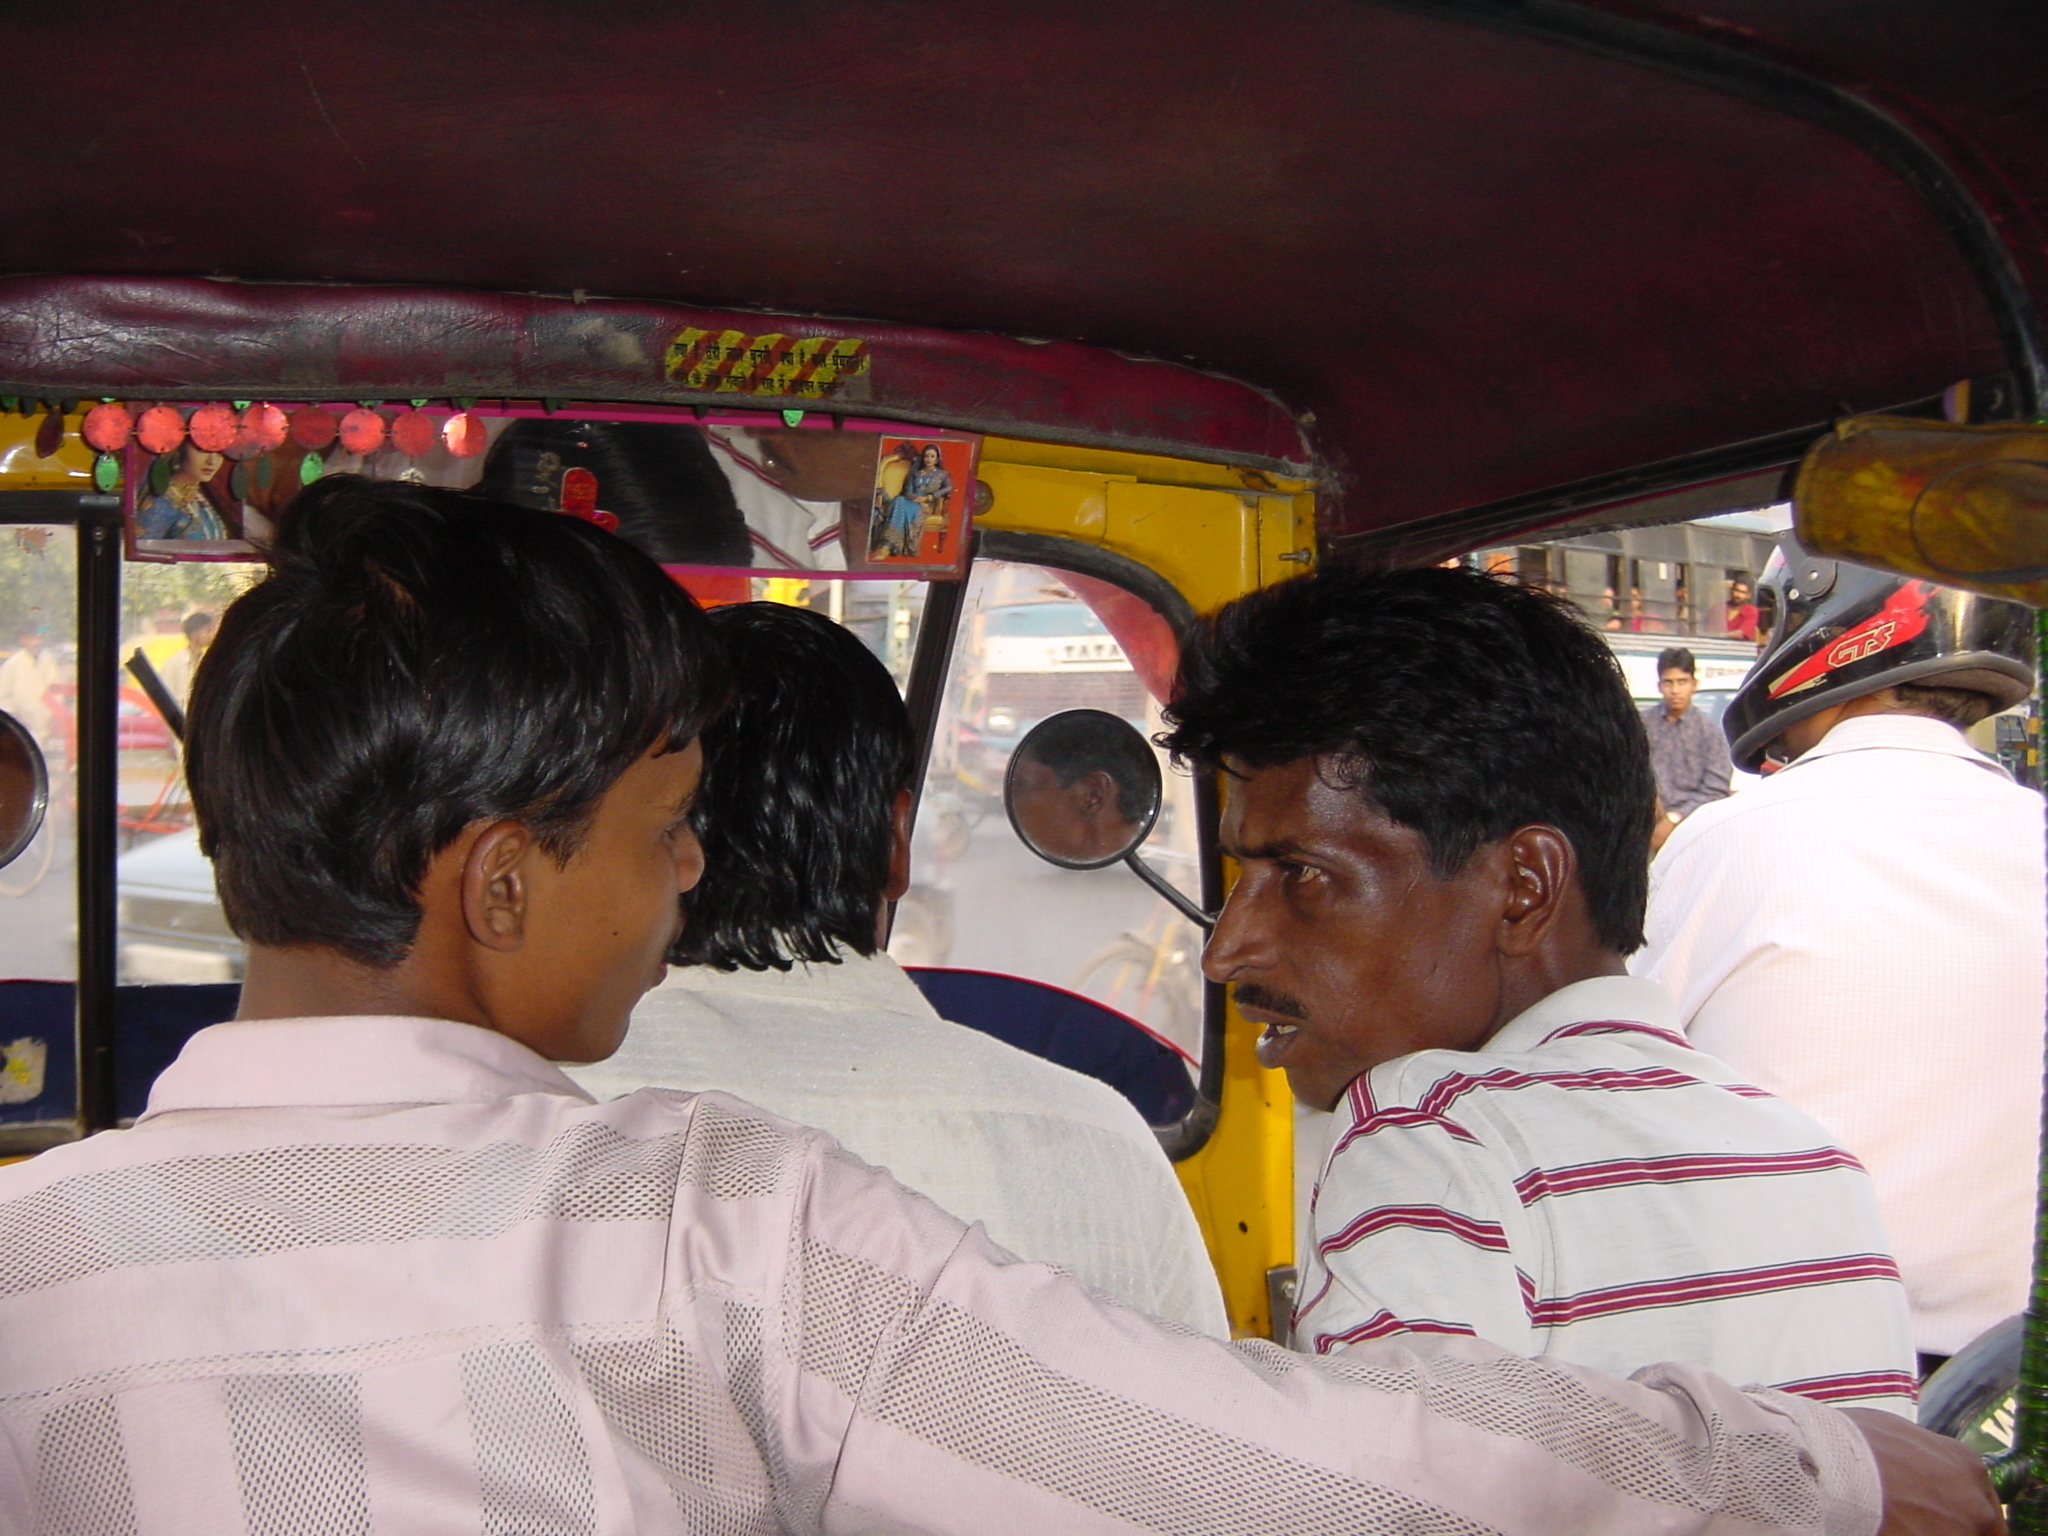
[1081, 820]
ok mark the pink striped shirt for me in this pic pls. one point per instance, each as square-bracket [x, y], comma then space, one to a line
[403, 1276]
[1589, 1188]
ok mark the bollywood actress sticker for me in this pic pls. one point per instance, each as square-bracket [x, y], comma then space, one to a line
[918, 514]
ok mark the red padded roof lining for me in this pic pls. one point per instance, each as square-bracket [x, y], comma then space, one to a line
[1483, 264]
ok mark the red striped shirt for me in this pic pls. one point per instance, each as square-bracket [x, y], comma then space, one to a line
[1591, 1188]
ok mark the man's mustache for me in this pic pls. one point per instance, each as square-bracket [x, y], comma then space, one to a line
[1251, 995]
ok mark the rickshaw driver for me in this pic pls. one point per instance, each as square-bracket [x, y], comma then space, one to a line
[780, 992]
[1441, 799]
[369, 1261]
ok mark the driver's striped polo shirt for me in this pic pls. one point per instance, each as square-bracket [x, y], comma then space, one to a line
[1588, 1187]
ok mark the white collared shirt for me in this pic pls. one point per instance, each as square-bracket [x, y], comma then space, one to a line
[1587, 1187]
[401, 1275]
[1057, 1166]
[1862, 934]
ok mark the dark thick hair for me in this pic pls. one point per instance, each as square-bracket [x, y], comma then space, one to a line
[1676, 658]
[1082, 741]
[418, 660]
[800, 775]
[1459, 704]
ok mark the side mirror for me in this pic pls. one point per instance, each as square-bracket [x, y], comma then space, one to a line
[1083, 792]
[24, 788]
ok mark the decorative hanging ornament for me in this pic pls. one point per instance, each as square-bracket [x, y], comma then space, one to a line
[362, 432]
[106, 473]
[161, 470]
[414, 432]
[311, 468]
[50, 435]
[238, 481]
[312, 427]
[258, 429]
[160, 429]
[465, 435]
[108, 426]
[213, 426]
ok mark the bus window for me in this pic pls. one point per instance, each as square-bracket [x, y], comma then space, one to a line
[1032, 642]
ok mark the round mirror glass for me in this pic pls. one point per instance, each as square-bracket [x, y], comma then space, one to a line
[1082, 789]
[24, 787]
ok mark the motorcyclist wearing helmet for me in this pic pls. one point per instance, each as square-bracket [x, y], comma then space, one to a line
[1862, 932]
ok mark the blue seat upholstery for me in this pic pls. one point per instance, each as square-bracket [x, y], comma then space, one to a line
[151, 1025]
[1064, 1027]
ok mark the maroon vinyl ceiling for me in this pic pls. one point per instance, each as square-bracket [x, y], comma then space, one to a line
[1476, 264]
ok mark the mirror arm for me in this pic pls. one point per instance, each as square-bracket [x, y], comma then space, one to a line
[1171, 892]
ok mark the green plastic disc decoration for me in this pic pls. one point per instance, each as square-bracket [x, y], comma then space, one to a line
[310, 468]
[261, 474]
[106, 473]
[238, 481]
[160, 471]
[792, 418]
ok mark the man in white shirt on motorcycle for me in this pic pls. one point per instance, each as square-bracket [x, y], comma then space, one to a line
[1862, 933]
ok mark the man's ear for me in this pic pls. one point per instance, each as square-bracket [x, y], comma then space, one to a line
[899, 847]
[494, 885]
[1098, 790]
[1541, 866]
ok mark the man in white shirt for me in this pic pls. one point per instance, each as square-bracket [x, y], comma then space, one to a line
[370, 1262]
[779, 990]
[1440, 803]
[26, 678]
[1862, 931]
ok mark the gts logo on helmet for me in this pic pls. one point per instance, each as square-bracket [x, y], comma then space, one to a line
[1902, 618]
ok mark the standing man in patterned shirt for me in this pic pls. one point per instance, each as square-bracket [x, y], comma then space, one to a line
[1440, 802]
[1686, 749]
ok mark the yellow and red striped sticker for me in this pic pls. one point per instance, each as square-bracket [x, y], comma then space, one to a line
[732, 362]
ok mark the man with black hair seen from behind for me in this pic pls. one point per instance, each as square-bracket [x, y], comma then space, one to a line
[1439, 799]
[780, 990]
[1686, 749]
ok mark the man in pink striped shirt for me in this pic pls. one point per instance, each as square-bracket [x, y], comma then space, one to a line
[1440, 803]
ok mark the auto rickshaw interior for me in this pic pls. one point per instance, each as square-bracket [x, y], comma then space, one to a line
[1177, 300]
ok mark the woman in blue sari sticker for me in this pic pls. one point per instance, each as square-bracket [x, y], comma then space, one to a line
[922, 502]
[181, 510]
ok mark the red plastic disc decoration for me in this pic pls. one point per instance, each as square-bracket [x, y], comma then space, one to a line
[213, 427]
[257, 430]
[414, 432]
[362, 431]
[108, 426]
[160, 428]
[465, 434]
[313, 427]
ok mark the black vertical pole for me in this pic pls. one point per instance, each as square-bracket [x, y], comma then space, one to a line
[99, 664]
[930, 665]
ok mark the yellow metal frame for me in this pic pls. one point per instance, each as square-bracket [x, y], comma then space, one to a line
[1214, 533]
